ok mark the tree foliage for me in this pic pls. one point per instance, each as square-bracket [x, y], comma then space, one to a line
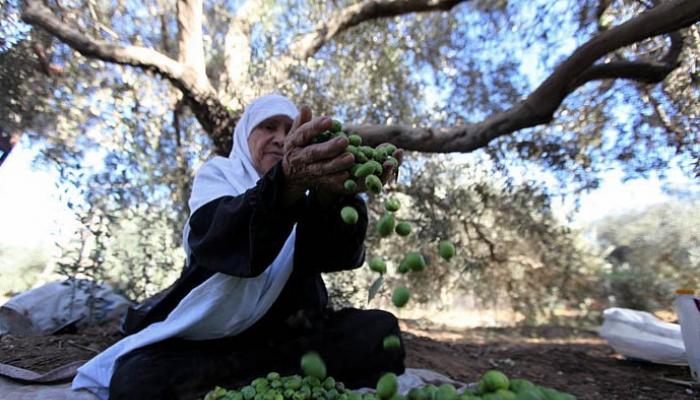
[652, 253]
[512, 251]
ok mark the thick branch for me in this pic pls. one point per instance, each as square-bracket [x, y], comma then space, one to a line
[237, 53]
[37, 14]
[645, 72]
[190, 38]
[164, 32]
[356, 14]
[213, 116]
[346, 18]
[540, 105]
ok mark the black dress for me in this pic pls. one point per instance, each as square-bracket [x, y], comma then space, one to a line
[240, 236]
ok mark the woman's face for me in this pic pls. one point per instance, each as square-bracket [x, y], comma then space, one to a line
[266, 142]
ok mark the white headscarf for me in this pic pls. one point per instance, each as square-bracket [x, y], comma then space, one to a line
[234, 175]
[223, 305]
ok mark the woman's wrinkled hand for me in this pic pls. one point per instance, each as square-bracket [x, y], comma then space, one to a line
[309, 166]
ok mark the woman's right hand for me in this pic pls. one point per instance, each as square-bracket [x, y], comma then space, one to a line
[307, 165]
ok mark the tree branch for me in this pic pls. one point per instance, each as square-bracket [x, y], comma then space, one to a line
[356, 14]
[37, 14]
[491, 245]
[45, 64]
[164, 33]
[190, 38]
[602, 6]
[645, 72]
[663, 117]
[213, 116]
[237, 53]
[346, 18]
[540, 105]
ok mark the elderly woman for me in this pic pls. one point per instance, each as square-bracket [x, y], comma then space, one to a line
[264, 223]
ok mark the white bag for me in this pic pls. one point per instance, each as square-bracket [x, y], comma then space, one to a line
[638, 334]
[688, 311]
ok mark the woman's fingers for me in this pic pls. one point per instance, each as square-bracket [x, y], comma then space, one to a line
[326, 150]
[303, 117]
[303, 135]
[341, 163]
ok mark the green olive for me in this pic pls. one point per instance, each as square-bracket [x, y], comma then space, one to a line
[353, 150]
[378, 169]
[373, 184]
[367, 151]
[336, 126]
[387, 386]
[350, 185]
[391, 342]
[349, 215]
[376, 264]
[313, 365]
[365, 170]
[392, 204]
[414, 261]
[355, 140]
[385, 225]
[446, 249]
[400, 296]
[403, 228]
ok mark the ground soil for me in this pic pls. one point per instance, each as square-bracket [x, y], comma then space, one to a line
[567, 359]
[44, 353]
[575, 361]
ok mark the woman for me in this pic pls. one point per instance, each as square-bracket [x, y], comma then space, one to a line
[264, 223]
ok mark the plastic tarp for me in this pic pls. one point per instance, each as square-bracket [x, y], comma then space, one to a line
[48, 308]
[640, 335]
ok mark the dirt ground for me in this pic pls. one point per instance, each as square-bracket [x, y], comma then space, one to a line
[575, 361]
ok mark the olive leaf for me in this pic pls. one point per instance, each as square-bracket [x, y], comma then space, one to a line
[374, 288]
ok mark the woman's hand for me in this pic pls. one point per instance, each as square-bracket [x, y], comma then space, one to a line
[305, 165]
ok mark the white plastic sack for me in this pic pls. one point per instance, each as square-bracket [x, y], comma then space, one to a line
[49, 307]
[688, 310]
[638, 334]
